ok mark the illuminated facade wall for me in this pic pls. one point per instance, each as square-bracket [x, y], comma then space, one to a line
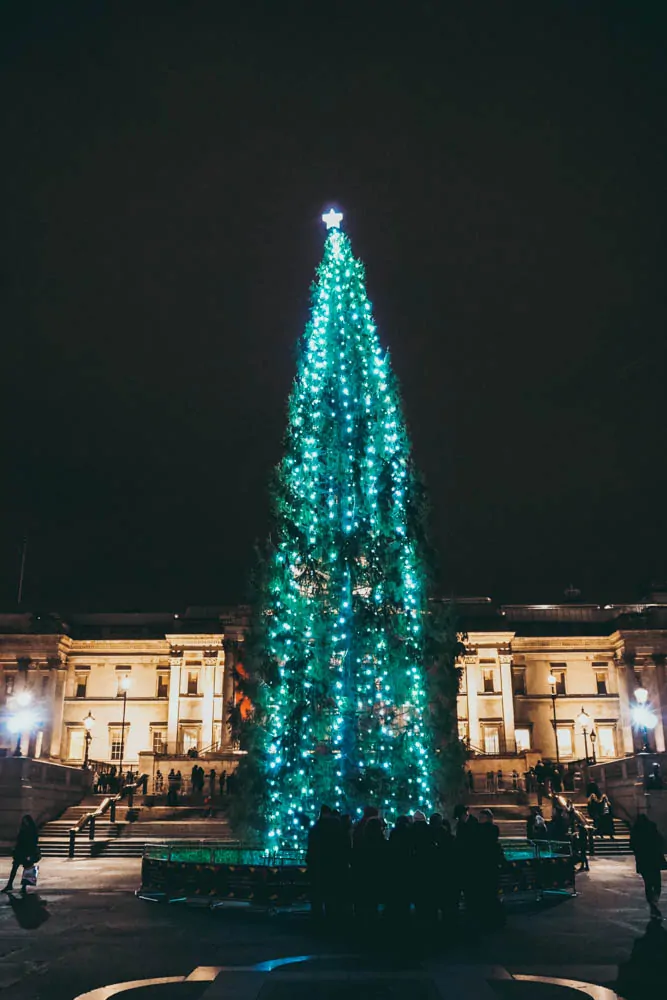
[182, 679]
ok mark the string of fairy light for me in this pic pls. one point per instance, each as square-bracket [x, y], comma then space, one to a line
[338, 520]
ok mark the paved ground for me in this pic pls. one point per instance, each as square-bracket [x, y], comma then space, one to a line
[97, 933]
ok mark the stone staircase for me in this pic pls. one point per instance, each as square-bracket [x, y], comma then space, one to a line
[619, 847]
[133, 829]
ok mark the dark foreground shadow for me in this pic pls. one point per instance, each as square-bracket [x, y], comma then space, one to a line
[645, 972]
[30, 910]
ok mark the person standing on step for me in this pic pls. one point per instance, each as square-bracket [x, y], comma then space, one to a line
[26, 850]
[648, 847]
[222, 782]
[211, 783]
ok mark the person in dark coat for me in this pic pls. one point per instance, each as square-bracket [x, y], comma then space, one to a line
[580, 844]
[370, 860]
[399, 869]
[447, 887]
[370, 812]
[536, 827]
[328, 858]
[559, 825]
[26, 850]
[466, 837]
[648, 847]
[489, 857]
[424, 869]
[605, 823]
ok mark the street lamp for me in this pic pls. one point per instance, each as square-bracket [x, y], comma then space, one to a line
[593, 739]
[88, 723]
[584, 721]
[643, 718]
[125, 682]
[551, 680]
[21, 721]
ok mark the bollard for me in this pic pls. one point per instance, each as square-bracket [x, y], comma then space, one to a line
[72, 842]
[91, 828]
[112, 811]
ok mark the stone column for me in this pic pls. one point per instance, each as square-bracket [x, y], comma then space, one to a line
[56, 748]
[626, 685]
[508, 701]
[227, 691]
[175, 661]
[208, 674]
[472, 687]
[654, 702]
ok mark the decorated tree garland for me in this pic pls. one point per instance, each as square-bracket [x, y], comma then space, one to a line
[337, 674]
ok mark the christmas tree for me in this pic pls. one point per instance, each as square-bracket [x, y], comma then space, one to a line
[339, 681]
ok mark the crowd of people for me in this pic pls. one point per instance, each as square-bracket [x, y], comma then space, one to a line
[421, 863]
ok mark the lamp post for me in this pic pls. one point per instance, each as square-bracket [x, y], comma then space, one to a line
[88, 723]
[593, 739]
[554, 694]
[584, 720]
[643, 718]
[125, 682]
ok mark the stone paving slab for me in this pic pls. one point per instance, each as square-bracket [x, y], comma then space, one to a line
[96, 933]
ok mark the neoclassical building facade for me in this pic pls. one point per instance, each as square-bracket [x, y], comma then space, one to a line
[163, 683]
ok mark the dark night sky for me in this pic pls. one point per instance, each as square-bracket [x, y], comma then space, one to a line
[502, 171]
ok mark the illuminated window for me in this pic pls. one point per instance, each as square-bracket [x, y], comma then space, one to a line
[193, 682]
[189, 738]
[80, 685]
[159, 740]
[488, 680]
[606, 742]
[565, 741]
[601, 681]
[463, 730]
[491, 739]
[116, 742]
[163, 685]
[76, 744]
[518, 680]
[123, 682]
[522, 737]
[559, 674]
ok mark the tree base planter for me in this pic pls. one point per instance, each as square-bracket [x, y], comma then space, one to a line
[215, 873]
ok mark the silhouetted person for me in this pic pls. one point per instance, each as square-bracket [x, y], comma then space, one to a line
[648, 847]
[171, 788]
[605, 822]
[466, 845]
[26, 850]
[222, 781]
[324, 862]
[446, 874]
[399, 869]
[159, 781]
[370, 812]
[488, 859]
[580, 840]
[541, 779]
[424, 868]
[369, 859]
[560, 824]
[536, 827]
[645, 973]
[211, 782]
